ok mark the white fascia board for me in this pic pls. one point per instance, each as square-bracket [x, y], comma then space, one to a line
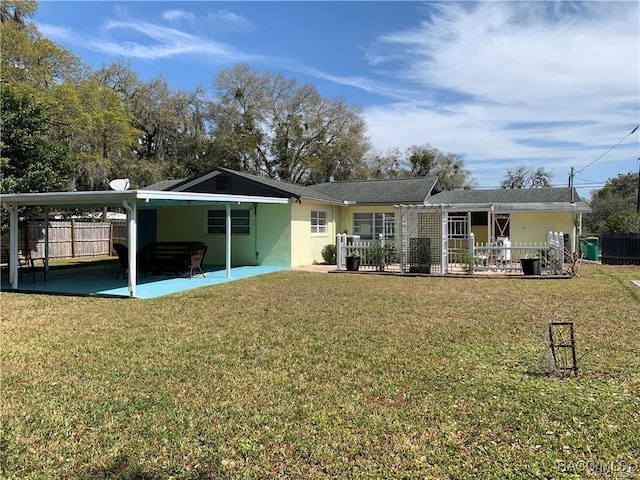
[68, 198]
[206, 197]
[108, 197]
[467, 207]
[578, 207]
[563, 207]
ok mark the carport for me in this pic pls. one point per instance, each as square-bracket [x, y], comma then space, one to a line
[130, 200]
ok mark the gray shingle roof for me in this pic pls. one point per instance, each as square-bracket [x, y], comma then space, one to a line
[505, 195]
[403, 190]
[294, 189]
[162, 185]
[398, 190]
[412, 190]
[520, 196]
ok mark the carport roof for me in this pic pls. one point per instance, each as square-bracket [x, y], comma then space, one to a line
[113, 198]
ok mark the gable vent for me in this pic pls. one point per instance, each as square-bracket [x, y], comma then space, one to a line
[222, 184]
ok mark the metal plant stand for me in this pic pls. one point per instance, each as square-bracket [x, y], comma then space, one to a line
[563, 348]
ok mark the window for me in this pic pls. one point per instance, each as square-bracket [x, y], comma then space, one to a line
[458, 226]
[318, 221]
[370, 225]
[217, 222]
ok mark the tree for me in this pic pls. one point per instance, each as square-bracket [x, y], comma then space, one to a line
[614, 206]
[381, 166]
[16, 11]
[28, 59]
[31, 160]
[426, 160]
[96, 124]
[525, 177]
[171, 139]
[267, 124]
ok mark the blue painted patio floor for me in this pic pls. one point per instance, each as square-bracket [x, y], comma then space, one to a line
[100, 281]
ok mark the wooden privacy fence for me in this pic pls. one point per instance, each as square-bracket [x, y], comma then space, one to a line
[66, 239]
[620, 248]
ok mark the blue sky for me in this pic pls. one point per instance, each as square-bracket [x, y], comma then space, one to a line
[541, 84]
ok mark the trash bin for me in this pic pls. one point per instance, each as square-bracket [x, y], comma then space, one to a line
[589, 247]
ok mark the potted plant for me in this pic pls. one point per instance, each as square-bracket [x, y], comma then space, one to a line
[420, 268]
[353, 261]
[380, 255]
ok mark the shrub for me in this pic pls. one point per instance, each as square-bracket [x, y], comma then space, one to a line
[329, 254]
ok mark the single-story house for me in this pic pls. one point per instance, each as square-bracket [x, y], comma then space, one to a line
[282, 224]
[291, 234]
[294, 234]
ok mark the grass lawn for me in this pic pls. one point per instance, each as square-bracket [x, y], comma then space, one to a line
[309, 375]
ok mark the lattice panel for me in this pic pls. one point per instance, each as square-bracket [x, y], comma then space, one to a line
[421, 222]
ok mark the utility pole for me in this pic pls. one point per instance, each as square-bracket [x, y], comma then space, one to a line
[571, 183]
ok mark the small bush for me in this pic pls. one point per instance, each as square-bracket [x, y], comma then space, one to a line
[329, 254]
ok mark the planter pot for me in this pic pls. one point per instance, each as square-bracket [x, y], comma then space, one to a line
[531, 266]
[420, 268]
[353, 263]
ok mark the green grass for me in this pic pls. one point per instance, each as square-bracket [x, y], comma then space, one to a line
[308, 375]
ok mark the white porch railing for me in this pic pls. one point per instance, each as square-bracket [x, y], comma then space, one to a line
[373, 254]
[504, 255]
[469, 257]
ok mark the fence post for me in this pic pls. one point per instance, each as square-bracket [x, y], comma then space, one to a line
[73, 238]
[560, 251]
[340, 241]
[472, 257]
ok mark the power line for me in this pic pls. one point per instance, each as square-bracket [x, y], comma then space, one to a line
[621, 140]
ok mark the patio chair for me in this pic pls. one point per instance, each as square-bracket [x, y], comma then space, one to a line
[25, 263]
[123, 257]
[196, 260]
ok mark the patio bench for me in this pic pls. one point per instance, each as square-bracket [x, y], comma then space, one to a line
[170, 257]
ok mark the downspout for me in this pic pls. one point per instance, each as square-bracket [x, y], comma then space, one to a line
[255, 229]
[132, 241]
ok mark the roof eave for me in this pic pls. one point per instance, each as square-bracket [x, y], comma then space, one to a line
[577, 207]
[115, 198]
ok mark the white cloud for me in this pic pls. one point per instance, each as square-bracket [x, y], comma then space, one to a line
[505, 69]
[229, 18]
[173, 15]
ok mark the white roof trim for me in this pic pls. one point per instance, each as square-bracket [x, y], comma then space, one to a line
[578, 207]
[112, 197]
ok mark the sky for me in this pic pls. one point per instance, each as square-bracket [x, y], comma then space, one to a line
[552, 84]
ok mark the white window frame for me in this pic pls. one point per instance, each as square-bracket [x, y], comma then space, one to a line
[319, 222]
[376, 224]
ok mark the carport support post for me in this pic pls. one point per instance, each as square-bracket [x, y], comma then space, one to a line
[228, 241]
[13, 246]
[46, 242]
[132, 240]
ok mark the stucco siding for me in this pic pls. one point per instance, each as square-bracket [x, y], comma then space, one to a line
[274, 235]
[533, 227]
[268, 241]
[307, 246]
[344, 220]
[182, 223]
